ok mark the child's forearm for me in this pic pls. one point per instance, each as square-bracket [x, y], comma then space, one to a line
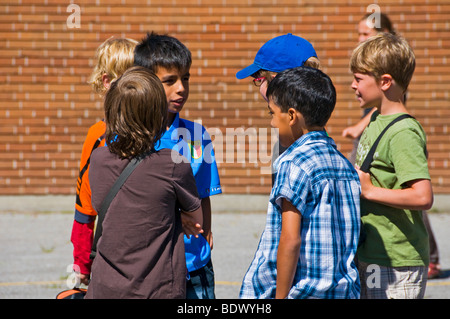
[288, 249]
[414, 198]
[207, 233]
[356, 130]
[287, 259]
[417, 194]
[366, 119]
[206, 208]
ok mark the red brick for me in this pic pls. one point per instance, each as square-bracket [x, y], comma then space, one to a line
[47, 106]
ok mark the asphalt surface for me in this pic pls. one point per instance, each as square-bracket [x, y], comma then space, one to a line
[35, 253]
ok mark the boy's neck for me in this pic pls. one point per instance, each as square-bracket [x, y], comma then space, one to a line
[392, 105]
[299, 132]
[170, 119]
[313, 129]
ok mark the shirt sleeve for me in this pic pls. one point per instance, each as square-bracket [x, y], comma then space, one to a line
[205, 171]
[408, 155]
[84, 213]
[82, 238]
[185, 187]
[293, 184]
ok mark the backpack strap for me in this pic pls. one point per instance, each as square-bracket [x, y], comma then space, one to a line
[369, 158]
[110, 196]
[83, 170]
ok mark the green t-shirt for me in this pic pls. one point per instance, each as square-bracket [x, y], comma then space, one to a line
[394, 237]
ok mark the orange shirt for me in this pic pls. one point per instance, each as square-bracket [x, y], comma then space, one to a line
[83, 224]
[95, 138]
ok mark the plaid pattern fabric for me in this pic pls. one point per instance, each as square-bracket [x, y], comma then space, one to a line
[324, 187]
[379, 282]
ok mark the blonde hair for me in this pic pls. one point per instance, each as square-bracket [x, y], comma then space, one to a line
[385, 53]
[312, 62]
[113, 57]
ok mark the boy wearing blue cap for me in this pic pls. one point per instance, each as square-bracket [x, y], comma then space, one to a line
[278, 54]
[309, 243]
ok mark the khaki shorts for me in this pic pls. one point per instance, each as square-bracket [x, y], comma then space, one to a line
[379, 282]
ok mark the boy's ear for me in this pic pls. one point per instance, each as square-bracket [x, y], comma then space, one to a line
[106, 80]
[386, 81]
[293, 117]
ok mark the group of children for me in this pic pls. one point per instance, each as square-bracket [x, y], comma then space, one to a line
[140, 212]
[327, 223]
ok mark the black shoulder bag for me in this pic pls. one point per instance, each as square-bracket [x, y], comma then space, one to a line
[110, 196]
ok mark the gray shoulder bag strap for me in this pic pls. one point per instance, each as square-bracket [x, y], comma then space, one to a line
[110, 196]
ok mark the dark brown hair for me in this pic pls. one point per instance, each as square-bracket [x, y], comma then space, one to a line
[135, 113]
[162, 51]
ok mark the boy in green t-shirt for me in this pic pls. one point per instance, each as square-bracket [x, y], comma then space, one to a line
[393, 258]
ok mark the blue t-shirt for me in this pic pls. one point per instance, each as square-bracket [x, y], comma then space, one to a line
[192, 141]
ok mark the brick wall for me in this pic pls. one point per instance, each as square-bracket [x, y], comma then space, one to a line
[46, 106]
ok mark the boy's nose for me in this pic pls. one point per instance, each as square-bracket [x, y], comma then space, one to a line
[354, 85]
[272, 124]
[180, 86]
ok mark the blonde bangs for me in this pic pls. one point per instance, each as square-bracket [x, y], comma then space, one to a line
[363, 60]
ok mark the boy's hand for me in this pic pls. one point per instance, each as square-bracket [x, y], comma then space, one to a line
[365, 181]
[209, 239]
[84, 279]
[190, 224]
[351, 132]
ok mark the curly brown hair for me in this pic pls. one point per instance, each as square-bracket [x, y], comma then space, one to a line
[135, 113]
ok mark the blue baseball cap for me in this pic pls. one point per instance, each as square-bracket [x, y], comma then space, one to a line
[278, 54]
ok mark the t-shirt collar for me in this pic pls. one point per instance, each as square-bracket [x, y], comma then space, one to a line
[313, 135]
[175, 125]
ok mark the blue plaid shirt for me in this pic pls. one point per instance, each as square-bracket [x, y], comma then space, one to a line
[324, 187]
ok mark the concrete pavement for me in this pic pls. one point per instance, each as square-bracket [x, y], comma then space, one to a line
[35, 252]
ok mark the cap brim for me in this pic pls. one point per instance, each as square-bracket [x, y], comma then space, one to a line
[246, 72]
